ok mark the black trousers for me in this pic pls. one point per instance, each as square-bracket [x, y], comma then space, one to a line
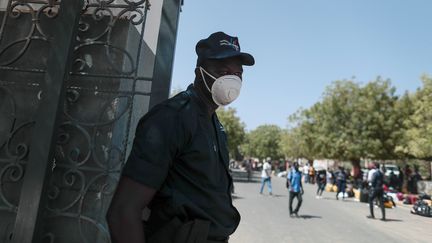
[292, 195]
[376, 194]
[341, 188]
[321, 187]
[195, 231]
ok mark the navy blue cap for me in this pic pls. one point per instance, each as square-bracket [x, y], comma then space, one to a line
[220, 46]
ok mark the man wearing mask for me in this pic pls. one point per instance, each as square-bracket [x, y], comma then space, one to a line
[178, 166]
[295, 187]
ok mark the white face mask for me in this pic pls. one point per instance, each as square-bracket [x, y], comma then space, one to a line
[225, 89]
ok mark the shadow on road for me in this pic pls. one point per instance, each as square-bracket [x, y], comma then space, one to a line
[387, 220]
[305, 216]
[277, 195]
[245, 181]
[344, 200]
[393, 220]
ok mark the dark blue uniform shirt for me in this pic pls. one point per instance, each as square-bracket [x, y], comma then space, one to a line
[181, 150]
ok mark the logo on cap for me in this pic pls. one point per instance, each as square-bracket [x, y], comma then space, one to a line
[233, 44]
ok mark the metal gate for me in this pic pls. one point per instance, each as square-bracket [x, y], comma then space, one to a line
[75, 77]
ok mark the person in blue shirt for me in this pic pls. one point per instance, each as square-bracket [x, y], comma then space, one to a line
[295, 187]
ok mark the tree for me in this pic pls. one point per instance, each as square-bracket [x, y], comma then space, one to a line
[404, 109]
[418, 135]
[352, 122]
[264, 142]
[298, 140]
[234, 128]
[380, 125]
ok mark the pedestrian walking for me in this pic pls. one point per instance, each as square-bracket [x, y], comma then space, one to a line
[331, 177]
[376, 191]
[393, 180]
[416, 177]
[306, 173]
[401, 180]
[321, 180]
[407, 182]
[341, 178]
[249, 169]
[266, 176]
[294, 184]
[311, 175]
[178, 165]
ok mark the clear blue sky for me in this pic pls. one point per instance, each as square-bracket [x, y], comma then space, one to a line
[301, 46]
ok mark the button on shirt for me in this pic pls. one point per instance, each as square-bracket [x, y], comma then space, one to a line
[181, 151]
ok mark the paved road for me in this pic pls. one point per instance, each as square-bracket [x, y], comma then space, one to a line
[266, 219]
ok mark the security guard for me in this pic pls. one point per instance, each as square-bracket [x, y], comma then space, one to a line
[178, 166]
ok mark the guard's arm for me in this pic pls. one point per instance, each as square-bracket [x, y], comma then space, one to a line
[124, 215]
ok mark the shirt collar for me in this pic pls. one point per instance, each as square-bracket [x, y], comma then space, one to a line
[204, 108]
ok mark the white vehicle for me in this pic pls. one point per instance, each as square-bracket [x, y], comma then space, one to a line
[282, 174]
[389, 168]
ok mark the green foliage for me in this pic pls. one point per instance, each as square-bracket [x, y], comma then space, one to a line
[298, 140]
[350, 123]
[234, 128]
[263, 142]
[418, 128]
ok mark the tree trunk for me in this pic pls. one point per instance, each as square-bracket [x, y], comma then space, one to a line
[356, 168]
[430, 170]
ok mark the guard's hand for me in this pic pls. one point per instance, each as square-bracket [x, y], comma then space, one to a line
[302, 191]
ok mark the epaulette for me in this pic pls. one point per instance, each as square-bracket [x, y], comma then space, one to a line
[179, 101]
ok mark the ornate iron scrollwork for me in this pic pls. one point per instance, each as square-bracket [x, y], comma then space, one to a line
[97, 25]
[15, 133]
[13, 49]
[93, 135]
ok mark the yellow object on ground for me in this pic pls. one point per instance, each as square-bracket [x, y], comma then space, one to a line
[388, 204]
[334, 188]
[356, 194]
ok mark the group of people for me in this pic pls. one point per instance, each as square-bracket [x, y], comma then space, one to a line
[295, 177]
[321, 177]
[406, 180]
[293, 183]
[308, 173]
